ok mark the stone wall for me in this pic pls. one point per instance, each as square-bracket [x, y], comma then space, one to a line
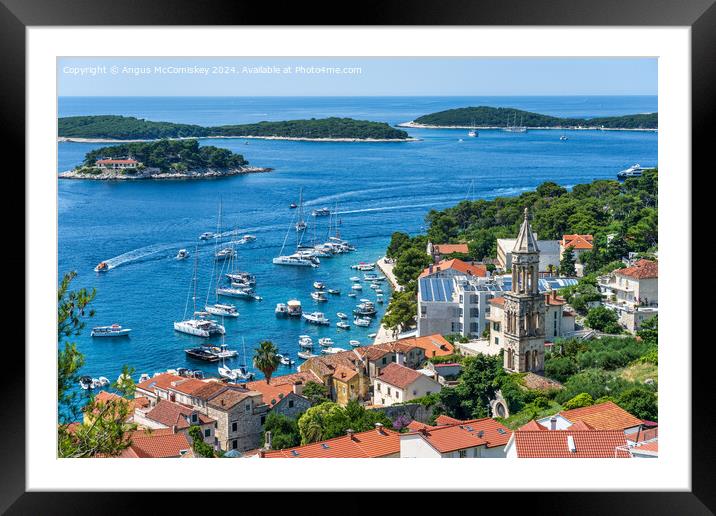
[414, 411]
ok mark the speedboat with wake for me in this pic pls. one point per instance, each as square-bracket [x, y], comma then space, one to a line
[102, 267]
[183, 254]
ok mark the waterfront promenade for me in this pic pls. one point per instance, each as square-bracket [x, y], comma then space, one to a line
[386, 267]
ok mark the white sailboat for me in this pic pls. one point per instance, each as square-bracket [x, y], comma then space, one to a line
[200, 325]
[300, 224]
[297, 259]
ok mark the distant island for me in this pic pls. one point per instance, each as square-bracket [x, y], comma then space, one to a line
[164, 159]
[484, 117]
[107, 128]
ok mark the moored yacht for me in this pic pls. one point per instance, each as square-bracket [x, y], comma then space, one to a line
[239, 292]
[343, 325]
[281, 310]
[221, 309]
[206, 235]
[294, 308]
[362, 321]
[225, 253]
[319, 296]
[305, 341]
[305, 354]
[316, 318]
[325, 342]
[199, 327]
[296, 260]
[115, 330]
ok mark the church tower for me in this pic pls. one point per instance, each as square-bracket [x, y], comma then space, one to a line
[524, 307]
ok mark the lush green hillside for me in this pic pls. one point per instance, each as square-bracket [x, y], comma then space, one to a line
[130, 128]
[171, 155]
[124, 128]
[484, 116]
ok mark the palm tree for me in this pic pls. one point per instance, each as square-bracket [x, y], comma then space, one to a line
[265, 359]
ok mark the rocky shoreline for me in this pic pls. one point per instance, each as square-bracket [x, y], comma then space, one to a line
[413, 125]
[155, 173]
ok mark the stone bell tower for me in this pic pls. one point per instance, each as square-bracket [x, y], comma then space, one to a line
[524, 307]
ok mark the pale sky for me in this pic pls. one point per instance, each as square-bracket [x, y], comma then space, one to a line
[235, 76]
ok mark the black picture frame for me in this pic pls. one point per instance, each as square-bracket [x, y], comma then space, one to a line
[699, 15]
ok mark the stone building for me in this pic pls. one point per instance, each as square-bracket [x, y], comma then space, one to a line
[523, 324]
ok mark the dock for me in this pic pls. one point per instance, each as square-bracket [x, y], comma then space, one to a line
[386, 267]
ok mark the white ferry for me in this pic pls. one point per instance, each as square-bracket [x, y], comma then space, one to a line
[114, 330]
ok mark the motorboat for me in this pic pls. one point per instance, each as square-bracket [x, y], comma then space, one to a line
[102, 267]
[206, 235]
[334, 291]
[86, 382]
[325, 342]
[103, 381]
[319, 296]
[355, 279]
[379, 299]
[285, 359]
[372, 335]
[319, 285]
[343, 325]
[199, 327]
[142, 378]
[316, 318]
[237, 374]
[354, 343]
[341, 315]
[222, 310]
[222, 351]
[374, 286]
[281, 310]
[332, 351]
[248, 238]
[294, 308]
[296, 260]
[225, 253]
[370, 277]
[563, 138]
[635, 170]
[365, 308]
[351, 294]
[293, 205]
[379, 291]
[240, 292]
[362, 321]
[305, 341]
[301, 225]
[321, 212]
[115, 330]
[364, 266]
[183, 254]
[201, 353]
[241, 277]
[357, 286]
[184, 372]
[305, 355]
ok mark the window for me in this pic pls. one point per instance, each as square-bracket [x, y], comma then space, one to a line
[385, 360]
[234, 444]
[263, 419]
[415, 392]
[207, 432]
[388, 391]
[377, 386]
[290, 403]
[234, 426]
[248, 407]
[497, 340]
[194, 418]
[397, 394]
[462, 453]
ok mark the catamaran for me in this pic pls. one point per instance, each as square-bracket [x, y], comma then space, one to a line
[115, 330]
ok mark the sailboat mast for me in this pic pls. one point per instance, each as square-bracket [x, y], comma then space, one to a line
[196, 267]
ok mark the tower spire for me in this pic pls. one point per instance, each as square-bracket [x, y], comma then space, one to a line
[526, 242]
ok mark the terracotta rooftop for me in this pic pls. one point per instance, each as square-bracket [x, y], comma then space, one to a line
[105, 396]
[499, 301]
[158, 445]
[535, 381]
[553, 300]
[602, 416]
[369, 444]
[230, 397]
[588, 444]
[414, 426]
[344, 373]
[450, 248]
[398, 375]
[447, 420]
[434, 345]
[651, 447]
[578, 241]
[171, 414]
[208, 390]
[162, 381]
[188, 386]
[534, 425]
[280, 386]
[642, 269]
[469, 269]
[486, 432]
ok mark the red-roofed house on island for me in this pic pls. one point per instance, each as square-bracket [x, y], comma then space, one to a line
[397, 384]
[114, 164]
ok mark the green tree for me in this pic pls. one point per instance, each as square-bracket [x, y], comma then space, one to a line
[316, 393]
[603, 319]
[125, 384]
[641, 402]
[410, 264]
[321, 422]
[475, 389]
[566, 263]
[266, 359]
[201, 448]
[649, 331]
[284, 431]
[398, 242]
[401, 312]
[580, 400]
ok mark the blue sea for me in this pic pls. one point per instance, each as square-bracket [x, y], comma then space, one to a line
[379, 187]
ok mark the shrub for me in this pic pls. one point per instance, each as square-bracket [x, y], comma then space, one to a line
[580, 400]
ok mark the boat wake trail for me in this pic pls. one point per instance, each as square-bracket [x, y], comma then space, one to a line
[353, 193]
[137, 254]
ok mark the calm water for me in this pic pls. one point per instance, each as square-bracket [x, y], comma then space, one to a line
[379, 188]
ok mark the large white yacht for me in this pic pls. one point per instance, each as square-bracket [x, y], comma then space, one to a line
[199, 327]
[223, 310]
[296, 260]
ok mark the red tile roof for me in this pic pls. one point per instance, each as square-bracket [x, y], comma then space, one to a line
[581, 425]
[447, 420]
[162, 381]
[344, 373]
[450, 248]
[651, 446]
[398, 375]
[642, 269]
[469, 269]
[486, 432]
[534, 425]
[157, 445]
[588, 444]
[551, 299]
[116, 161]
[602, 416]
[500, 301]
[434, 345]
[578, 241]
[228, 398]
[414, 426]
[281, 386]
[368, 444]
[105, 396]
[189, 386]
[172, 414]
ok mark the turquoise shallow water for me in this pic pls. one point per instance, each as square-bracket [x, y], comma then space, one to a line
[379, 187]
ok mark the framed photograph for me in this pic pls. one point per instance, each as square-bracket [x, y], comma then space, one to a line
[429, 235]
